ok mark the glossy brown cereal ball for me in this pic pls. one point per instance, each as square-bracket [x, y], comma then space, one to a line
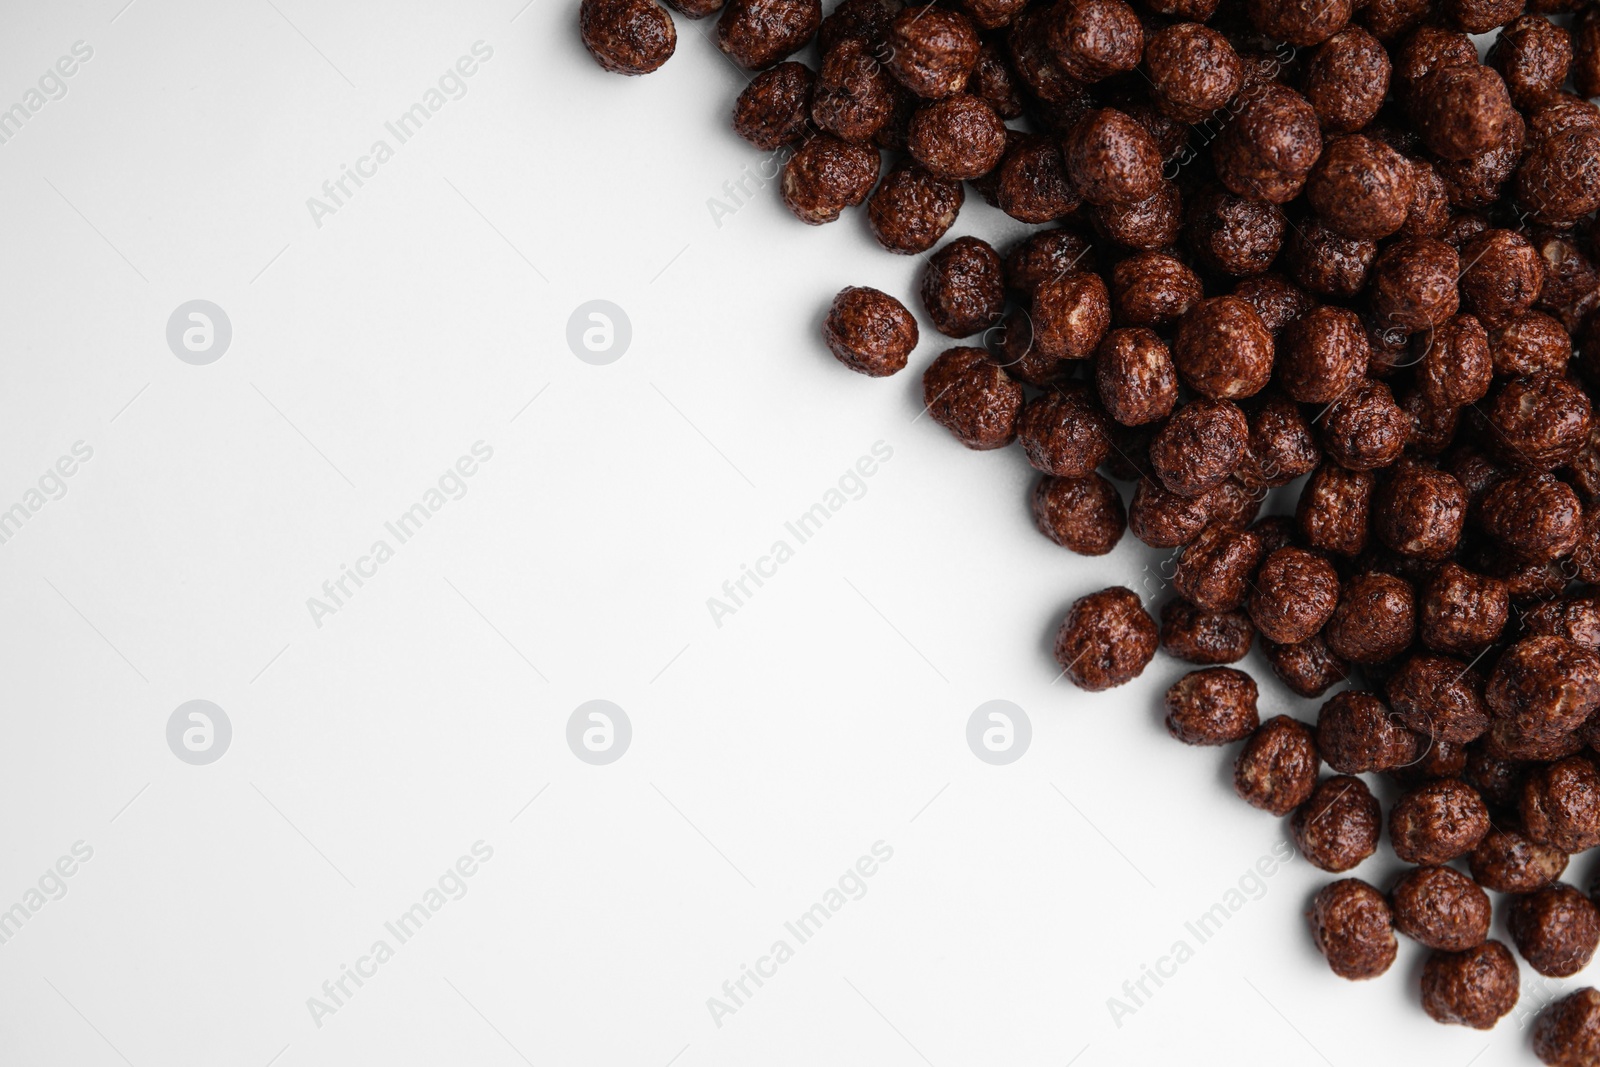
[1193, 71]
[1214, 570]
[1532, 515]
[1084, 514]
[1338, 826]
[1282, 447]
[1064, 433]
[1561, 805]
[1498, 779]
[1094, 39]
[1153, 289]
[1462, 111]
[1430, 49]
[1353, 927]
[1270, 146]
[1559, 178]
[1533, 56]
[964, 288]
[1434, 426]
[1106, 640]
[1390, 20]
[1233, 234]
[1033, 185]
[1441, 908]
[1375, 619]
[1472, 988]
[932, 51]
[968, 394]
[1509, 861]
[1300, 22]
[1558, 112]
[1576, 618]
[1135, 376]
[1546, 686]
[1324, 353]
[1361, 187]
[1212, 706]
[1419, 512]
[1480, 16]
[627, 36]
[1307, 668]
[869, 331]
[1028, 45]
[1163, 519]
[1346, 80]
[1333, 509]
[957, 137]
[1112, 159]
[757, 34]
[1540, 422]
[853, 97]
[1437, 822]
[1046, 256]
[1440, 697]
[1502, 273]
[866, 19]
[827, 175]
[1276, 299]
[775, 108]
[1429, 215]
[1555, 928]
[1276, 770]
[1328, 263]
[1455, 362]
[993, 79]
[1356, 734]
[1147, 225]
[1567, 1033]
[1529, 343]
[1070, 315]
[1414, 284]
[1295, 593]
[1460, 612]
[1205, 637]
[1223, 349]
[1365, 429]
[911, 209]
[1199, 446]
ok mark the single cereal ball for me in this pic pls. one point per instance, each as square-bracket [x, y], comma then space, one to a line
[1365, 429]
[1324, 353]
[1346, 80]
[1282, 447]
[1561, 805]
[1295, 594]
[1567, 1033]
[1420, 512]
[1441, 908]
[1337, 827]
[1300, 22]
[1223, 350]
[1576, 618]
[853, 97]
[1106, 640]
[1559, 179]
[865, 19]
[1361, 187]
[957, 138]
[1213, 706]
[1333, 509]
[1214, 569]
[1112, 159]
[1374, 621]
[1462, 111]
[994, 80]
[1153, 289]
[1084, 514]
[1199, 446]
[1163, 519]
[627, 36]
[1456, 364]
[775, 108]
[1135, 376]
[1529, 343]
[1439, 697]
[1429, 215]
[1498, 779]
[1028, 45]
[1033, 185]
[1533, 515]
[1437, 822]
[968, 394]
[1276, 770]
[1558, 112]
[869, 331]
[757, 34]
[1147, 225]
[932, 51]
[992, 14]
[827, 175]
[1270, 146]
[1356, 734]
[1555, 928]
[1540, 422]
[1462, 613]
[1480, 16]
[1277, 300]
[1070, 315]
[1206, 638]
[1193, 71]
[1094, 39]
[1353, 927]
[1430, 49]
[911, 209]
[1326, 262]
[1435, 426]
[1509, 861]
[1414, 284]
[1533, 56]
[963, 288]
[1546, 686]
[1307, 667]
[1503, 273]
[1472, 988]
[1064, 433]
[1045, 256]
[1233, 234]
[1478, 181]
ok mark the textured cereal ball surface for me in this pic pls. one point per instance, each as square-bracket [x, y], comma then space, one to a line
[757, 34]
[1437, 822]
[1546, 686]
[1213, 706]
[1233, 234]
[827, 175]
[970, 395]
[1295, 594]
[1338, 826]
[1193, 70]
[932, 51]
[1473, 988]
[1375, 619]
[911, 209]
[1064, 433]
[1135, 377]
[1414, 284]
[1200, 446]
[1540, 422]
[1301, 22]
[964, 288]
[627, 36]
[1346, 80]
[1070, 315]
[774, 110]
[1509, 861]
[1561, 805]
[958, 138]
[1463, 111]
[1270, 146]
[1224, 350]
[1567, 1033]
[1324, 353]
[1205, 637]
[1441, 908]
[1353, 927]
[1214, 569]
[1094, 39]
[1112, 159]
[1440, 697]
[1153, 289]
[1419, 511]
[1462, 612]
[853, 96]
[1106, 640]
[1084, 514]
[1307, 668]
[1556, 929]
[1276, 770]
[1333, 510]
[1361, 187]
[1365, 429]
[1356, 734]
[870, 331]
[1503, 273]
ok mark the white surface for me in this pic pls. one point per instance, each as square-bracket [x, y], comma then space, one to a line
[372, 752]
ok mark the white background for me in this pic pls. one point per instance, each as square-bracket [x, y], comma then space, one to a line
[369, 753]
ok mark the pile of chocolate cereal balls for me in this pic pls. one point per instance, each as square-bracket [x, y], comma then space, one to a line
[1279, 240]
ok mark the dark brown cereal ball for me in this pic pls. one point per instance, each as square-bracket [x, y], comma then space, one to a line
[1233, 234]
[1353, 927]
[1559, 179]
[1046, 256]
[1420, 512]
[1324, 353]
[1414, 283]
[1391, 20]
[1033, 184]
[1307, 668]
[994, 81]
[1533, 56]
[1540, 422]
[1441, 908]
[1555, 928]
[695, 9]
[957, 137]
[1546, 686]
[1234, 502]
[854, 96]
[1561, 805]
[1558, 112]
[1472, 988]
[1529, 343]
[1193, 71]
[1214, 569]
[1455, 362]
[1111, 158]
[1152, 289]
[1437, 822]
[1571, 279]
[1567, 1033]
[1356, 734]
[1270, 146]
[1276, 299]
[1028, 45]
[911, 209]
[1094, 39]
[827, 175]
[1084, 514]
[1282, 447]
[1199, 446]
[1361, 187]
[1147, 225]
[1502, 274]
[1576, 618]
[1300, 22]
[1429, 214]
[1338, 826]
[1333, 509]
[866, 19]
[1184, 10]
[1375, 620]
[1346, 80]
[1223, 350]
[1106, 640]
[1480, 16]
[991, 14]
[1430, 49]
[869, 331]
[1162, 519]
[1205, 637]
[1328, 263]
[1462, 111]
[1498, 779]
[1462, 613]
[1435, 427]
[1440, 697]
[1295, 593]
[1135, 377]
[627, 36]
[757, 34]
[1064, 433]
[964, 287]
[1276, 770]
[932, 51]
[1533, 515]
[1070, 315]
[897, 130]
[1212, 706]
[968, 394]
[775, 108]
[1365, 429]
[1434, 759]
[1478, 181]
[1509, 861]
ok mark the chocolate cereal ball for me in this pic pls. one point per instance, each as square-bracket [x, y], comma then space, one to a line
[1559, 178]
[1163, 519]
[1326, 262]
[1461, 612]
[1205, 638]
[1533, 516]
[1352, 926]
[1455, 365]
[1374, 621]
[1193, 71]
[827, 175]
[1214, 570]
[963, 288]
[1419, 512]
[1472, 988]
[1361, 187]
[1213, 706]
[1441, 908]
[1509, 861]
[1295, 593]
[1439, 697]
[1337, 827]
[1529, 343]
[1046, 256]
[1084, 514]
[911, 209]
[956, 138]
[1064, 433]
[1276, 299]
[1032, 184]
[1276, 770]
[869, 331]
[1540, 422]
[1561, 805]
[1502, 275]
[1112, 159]
[1135, 376]
[1414, 284]
[970, 395]
[1365, 429]
[1346, 80]
[932, 51]
[1153, 289]
[1223, 350]
[1324, 353]
[1333, 509]
[1567, 1033]
[1270, 146]
[627, 36]
[1199, 446]
[1462, 111]
[1437, 822]
[1094, 39]
[1300, 22]
[865, 19]
[1356, 734]
[1555, 928]
[1307, 668]
[1070, 315]
[757, 34]
[775, 108]
[853, 97]
[1147, 225]
[1233, 234]
[1545, 687]
[1106, 640]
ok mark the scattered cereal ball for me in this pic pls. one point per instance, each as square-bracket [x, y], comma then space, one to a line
[1441, 908]
[1281, 445]
[968, 394]
[1295, 594]
[1094, 39]
[1234, 234]
[1559, 179]
[1365, 429]
[1503, 273]
[627, 36]
[757, 34]
[1533, 56]
[1509, 861]
[1463, 110]
[1307, 668]
[1327, 262]
[1277, 300]
[1532, 515]
[1561, 805]
[995, 81]
[1147, 225]
[1333, 509]
[1546, 686]
[1456, 366]
[695, 9]
[1437, 822]
[853, 97]
[1555, 928]
[827, 175]
[1440, 697]
[1567, 1033]
[1541, 421]
[992, 14]
[1429, 214]
[870, 331]
[1430, 49]
[1375, 620]
[1462, 613]
[1347, 79]
[1163, 519]
[1213, 706]
[1352, 927]
[1214, 569]
[1112, 159]
[1205, 637]
[1300, 22]
[932, 51]
[1070, 315]
[1135, 376]
[775, 108]
[963, 289]
[1084, 514]
[1414, 283]
[1199, 446]
[1481, 16]
[1324, 353]
[1064, 433]
[911, 209]
[1270, 146]
[958, 137]
[1420, 512]
[1576, 618]
[1033, 185]
[1276, 770]
[1338, 827]
[1472, 988]
[1529, 343]
[1361, 187]
[1106, 640]
[1356, 734]
[1223, 350]
[867, 20]
[1193, 71]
